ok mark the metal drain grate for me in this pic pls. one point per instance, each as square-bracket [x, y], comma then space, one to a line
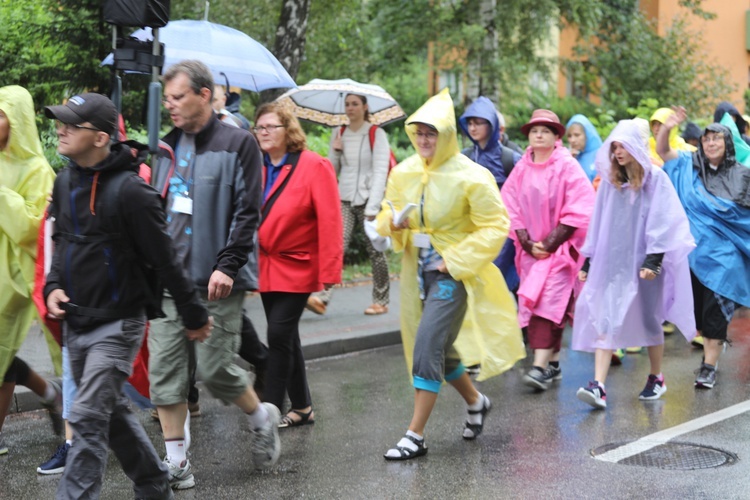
[668, 456]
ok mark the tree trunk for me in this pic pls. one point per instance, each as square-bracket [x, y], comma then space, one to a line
[289, 46]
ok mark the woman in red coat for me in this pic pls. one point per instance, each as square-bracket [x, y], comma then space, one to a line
[301, 250]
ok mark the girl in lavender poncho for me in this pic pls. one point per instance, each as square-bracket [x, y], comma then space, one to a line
[637, 272]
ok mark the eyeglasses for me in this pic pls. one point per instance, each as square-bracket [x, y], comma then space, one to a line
[430, 136]
[70, 127]
[267, 128]
[173, 99]
[712, 138]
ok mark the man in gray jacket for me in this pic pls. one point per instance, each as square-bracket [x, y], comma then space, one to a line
[211, 185]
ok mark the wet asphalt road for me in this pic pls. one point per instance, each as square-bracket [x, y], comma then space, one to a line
[535, 445]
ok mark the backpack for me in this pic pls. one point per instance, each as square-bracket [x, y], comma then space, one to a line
[145, 274]
[507, 160]
[392, 161]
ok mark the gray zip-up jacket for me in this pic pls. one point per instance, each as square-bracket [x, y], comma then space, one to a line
[226, 202]
[362, 171]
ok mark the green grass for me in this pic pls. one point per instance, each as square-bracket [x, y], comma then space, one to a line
[363, 270]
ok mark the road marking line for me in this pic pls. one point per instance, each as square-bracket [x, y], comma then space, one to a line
[661, 437]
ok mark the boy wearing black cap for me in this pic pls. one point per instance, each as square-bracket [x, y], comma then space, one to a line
[104, 238]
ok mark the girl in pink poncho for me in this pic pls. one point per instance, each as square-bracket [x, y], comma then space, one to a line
[637, 243]
[549, 200]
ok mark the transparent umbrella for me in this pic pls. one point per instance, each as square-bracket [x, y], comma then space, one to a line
[246, 63]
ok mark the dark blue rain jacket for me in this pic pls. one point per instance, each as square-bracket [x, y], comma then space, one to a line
[491, 156]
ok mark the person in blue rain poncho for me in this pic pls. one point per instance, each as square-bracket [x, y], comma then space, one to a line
[715, 191]
[584, 142]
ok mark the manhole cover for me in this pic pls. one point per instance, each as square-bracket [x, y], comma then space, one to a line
[670, 456]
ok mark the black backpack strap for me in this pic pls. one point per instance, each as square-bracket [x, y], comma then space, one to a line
[507, 160]
[292, 160]
[92, 312]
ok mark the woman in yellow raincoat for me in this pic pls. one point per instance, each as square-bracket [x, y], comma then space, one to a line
[25, 182]
[456, 310]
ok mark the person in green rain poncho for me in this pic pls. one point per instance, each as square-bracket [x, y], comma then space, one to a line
[456, 310]
[25, 182]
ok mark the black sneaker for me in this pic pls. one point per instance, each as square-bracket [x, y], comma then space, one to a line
[655, 387]
[556, 372]
[538, 378]
[56, 463]
[706, 378]
[593, 394]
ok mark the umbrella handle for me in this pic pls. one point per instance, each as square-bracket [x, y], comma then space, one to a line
[226, 79]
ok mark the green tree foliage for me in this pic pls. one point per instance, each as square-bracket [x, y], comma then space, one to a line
[625, 61]
[53, 47]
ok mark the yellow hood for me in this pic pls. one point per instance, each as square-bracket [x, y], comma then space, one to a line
[23, 142]
[437, 112]
[675, 141]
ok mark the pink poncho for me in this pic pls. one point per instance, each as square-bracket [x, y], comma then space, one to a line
[539, 197]
[616, 308]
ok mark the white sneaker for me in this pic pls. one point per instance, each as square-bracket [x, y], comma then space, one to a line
[3, 446]
[180, 476]
[266, 446]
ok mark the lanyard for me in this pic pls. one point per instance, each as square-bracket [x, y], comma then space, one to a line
[190, 166]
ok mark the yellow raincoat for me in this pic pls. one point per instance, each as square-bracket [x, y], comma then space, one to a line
[467, 224]
[675, 141]
[25, 182]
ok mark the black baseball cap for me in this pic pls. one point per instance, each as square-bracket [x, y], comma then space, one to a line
[96, 109]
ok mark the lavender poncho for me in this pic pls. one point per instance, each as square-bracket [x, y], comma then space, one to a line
[616, 308]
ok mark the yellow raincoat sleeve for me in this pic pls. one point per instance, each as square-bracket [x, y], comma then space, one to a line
[399, 238]
[27, 209]
[483, 244]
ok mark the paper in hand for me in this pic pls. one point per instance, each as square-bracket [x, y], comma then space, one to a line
[399, 217]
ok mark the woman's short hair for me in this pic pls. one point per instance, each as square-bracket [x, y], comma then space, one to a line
[364, 103]
[296, 140]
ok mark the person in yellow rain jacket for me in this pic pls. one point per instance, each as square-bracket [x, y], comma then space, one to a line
[676, 142]
[456, 310]
[25, 182]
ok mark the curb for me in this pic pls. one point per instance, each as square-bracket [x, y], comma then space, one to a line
[24, 400]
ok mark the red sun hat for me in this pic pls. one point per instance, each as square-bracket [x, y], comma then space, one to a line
[544, 117]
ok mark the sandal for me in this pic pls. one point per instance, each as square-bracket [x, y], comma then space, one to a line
[472, 431]
[405, 453]
[305, 418]
[376, 309]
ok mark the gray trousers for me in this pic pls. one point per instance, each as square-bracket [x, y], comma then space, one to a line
[101, 361]
[443, 311]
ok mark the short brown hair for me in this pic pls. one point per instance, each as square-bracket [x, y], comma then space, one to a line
[296, 140]
[197, 72]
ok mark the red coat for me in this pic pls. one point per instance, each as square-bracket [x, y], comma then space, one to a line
[300, 239]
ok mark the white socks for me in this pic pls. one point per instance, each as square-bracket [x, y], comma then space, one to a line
[259, 417]
[176, 452]
[476, 418]
[408, 443]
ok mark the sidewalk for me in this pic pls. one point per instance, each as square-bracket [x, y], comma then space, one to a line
[343, 329]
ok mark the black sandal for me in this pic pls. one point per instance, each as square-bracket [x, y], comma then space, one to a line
[405, 453]
[472, 431]
[305, 418]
